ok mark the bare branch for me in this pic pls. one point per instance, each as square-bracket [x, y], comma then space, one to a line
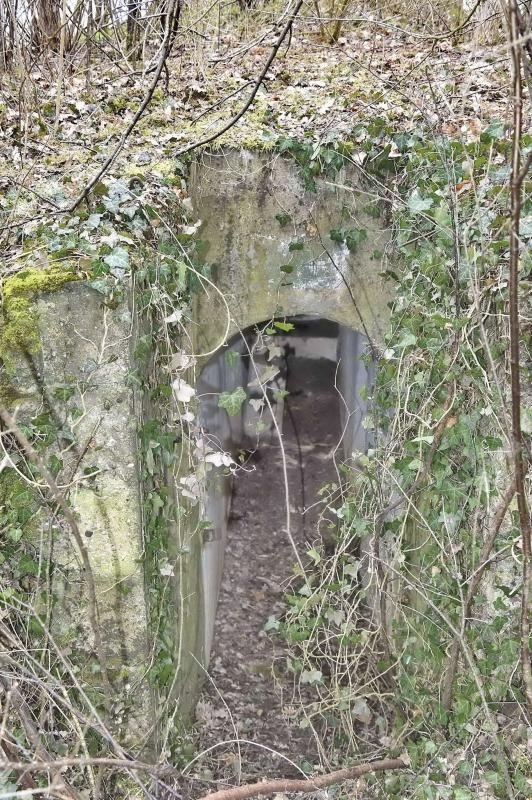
[166, 48]
[59, 498]
[518, 174]
[473, 584]
[304, 785]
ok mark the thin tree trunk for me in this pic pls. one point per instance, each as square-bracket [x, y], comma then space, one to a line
[133, 29]
[519, 173]
[60, 77]
[88, 47]
[46, 25]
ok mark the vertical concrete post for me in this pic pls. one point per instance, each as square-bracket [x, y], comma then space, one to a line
[79, 382]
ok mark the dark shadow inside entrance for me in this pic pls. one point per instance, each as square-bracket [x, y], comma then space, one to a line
[310, 378]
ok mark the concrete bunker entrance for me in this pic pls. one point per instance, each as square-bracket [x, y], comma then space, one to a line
[306, 381]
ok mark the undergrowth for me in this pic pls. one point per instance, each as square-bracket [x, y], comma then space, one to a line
[400, 655]
[373, 623]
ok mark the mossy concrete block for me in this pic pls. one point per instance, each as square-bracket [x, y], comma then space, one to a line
[19, 323]
[79, 377]
[269, 244]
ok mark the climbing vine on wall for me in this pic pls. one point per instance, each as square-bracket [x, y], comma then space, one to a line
[103, 245]
[409, 623]
[412, 622]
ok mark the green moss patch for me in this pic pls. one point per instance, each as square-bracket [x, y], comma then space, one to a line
[20, 322]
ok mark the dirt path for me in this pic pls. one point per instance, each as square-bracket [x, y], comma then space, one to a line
[243, 697]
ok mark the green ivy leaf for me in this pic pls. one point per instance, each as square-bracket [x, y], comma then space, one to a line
[232, 401]
[232, 357]
[117, 258]
[462, 793]
[337, 235]
[27, 565]
[494, 131]
[284, 326]
[101, 285]
[272, 624]
[64, 393]
[56, 464]
[100, 190]
[93, 221]
[283, 219]
[372, 210]
[354, 237]
[14, 534]
[408, 340]
[417, 204]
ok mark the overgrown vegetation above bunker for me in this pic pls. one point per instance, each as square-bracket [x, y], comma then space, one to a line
[438, 467]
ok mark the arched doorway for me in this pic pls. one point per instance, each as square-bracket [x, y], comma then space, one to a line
[300, 387]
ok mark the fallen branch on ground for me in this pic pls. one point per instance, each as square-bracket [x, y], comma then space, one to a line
[305, 784]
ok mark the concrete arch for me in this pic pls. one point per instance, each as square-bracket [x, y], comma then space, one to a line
[312, 338]
[273, 248]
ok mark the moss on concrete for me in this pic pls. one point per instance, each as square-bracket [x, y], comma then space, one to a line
[249, 248]
[20, 322]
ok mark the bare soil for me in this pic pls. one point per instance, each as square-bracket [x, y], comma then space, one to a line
[251, 695]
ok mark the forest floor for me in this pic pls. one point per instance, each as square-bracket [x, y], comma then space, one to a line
[250, 709]
[49, 149]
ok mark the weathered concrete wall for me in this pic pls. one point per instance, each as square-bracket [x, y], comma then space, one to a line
[87, 348]
[355, 379]
[79, 378]
[238, 195]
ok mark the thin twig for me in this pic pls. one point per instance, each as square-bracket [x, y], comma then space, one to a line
[24, 714]
[166, 48]
[406, 495]
[473, 584]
